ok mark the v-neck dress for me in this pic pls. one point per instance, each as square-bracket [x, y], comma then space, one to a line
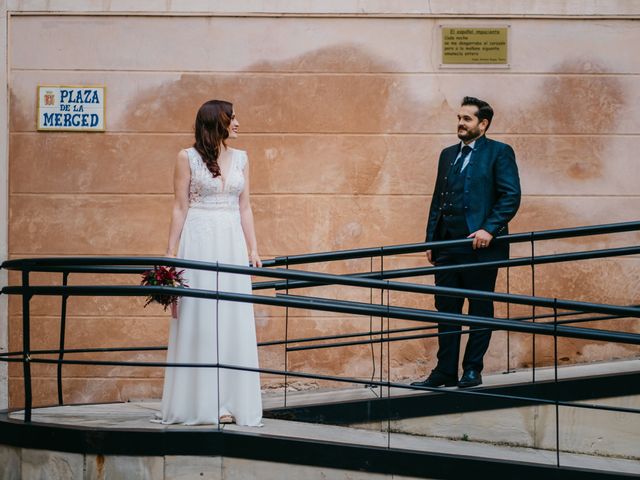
[206, 330]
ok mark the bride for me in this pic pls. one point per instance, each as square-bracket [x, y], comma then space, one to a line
[212, 221]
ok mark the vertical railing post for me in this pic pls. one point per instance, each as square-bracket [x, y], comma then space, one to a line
[26, 346]
[533, 309]
[286, 336]
[388, 369]
[373, 353]
[63, 326]
[508, 331]
[388, 295]
[219, 426]
[381, 324]
[555, 376]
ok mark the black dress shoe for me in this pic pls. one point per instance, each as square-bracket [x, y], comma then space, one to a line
[437, 379]
[470, 378]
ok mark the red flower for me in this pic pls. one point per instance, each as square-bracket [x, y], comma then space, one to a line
[165, 277]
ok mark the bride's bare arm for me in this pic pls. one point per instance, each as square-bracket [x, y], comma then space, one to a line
[181, 179]
[246, 218]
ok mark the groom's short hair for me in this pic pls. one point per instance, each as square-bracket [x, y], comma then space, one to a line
[484, 109]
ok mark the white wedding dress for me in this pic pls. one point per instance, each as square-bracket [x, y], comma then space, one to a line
[205, 328]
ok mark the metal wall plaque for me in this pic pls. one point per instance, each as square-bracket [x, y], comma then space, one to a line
[77, 108]
[474, 45]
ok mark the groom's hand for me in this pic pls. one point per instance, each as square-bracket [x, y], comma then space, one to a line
[481, 239]
[430, 257]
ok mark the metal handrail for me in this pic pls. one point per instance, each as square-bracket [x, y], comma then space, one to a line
[19, 264]
[270, 343]
[67, 265]
[422, 247]
[352, 380]
[325, 278]
[366, 309]
[432, 270]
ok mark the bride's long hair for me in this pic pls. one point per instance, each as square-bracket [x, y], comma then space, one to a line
[212, 129]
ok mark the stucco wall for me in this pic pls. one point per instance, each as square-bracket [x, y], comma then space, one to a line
[4, 197]
[343, 116]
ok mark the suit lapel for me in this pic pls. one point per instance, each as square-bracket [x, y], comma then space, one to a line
[452, 154]
[477, 156]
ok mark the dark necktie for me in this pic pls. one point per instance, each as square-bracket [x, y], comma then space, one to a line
[458, 166]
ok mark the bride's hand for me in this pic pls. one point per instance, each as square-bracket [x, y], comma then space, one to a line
[254, 259]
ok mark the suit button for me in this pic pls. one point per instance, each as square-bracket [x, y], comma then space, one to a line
[466, 208]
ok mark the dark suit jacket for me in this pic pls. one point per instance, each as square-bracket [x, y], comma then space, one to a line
[491, 192]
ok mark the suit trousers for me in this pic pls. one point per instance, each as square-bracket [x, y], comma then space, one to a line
[478, 342]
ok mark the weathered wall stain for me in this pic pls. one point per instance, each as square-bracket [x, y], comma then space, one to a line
[18, 115]
[345, 203]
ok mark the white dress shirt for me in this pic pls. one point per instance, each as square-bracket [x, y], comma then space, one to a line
[468, 157]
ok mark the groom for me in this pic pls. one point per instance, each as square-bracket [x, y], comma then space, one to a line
[477, 193]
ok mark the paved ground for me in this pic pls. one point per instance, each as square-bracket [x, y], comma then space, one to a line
[137, 415]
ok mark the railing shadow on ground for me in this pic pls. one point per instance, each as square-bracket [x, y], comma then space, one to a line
[554, 325]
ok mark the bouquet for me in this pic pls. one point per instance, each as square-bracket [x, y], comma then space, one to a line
[164, 277]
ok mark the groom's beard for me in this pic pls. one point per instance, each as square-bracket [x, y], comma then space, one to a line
[468, 135]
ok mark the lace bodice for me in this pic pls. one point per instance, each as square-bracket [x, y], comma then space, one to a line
[205, 191]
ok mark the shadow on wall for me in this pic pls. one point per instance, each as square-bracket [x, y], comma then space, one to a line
[571, 103]
[328, 97]
[338, 102]
[314, 104]
[386, 104]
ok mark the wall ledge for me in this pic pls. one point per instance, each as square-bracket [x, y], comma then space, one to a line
[373, 8]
